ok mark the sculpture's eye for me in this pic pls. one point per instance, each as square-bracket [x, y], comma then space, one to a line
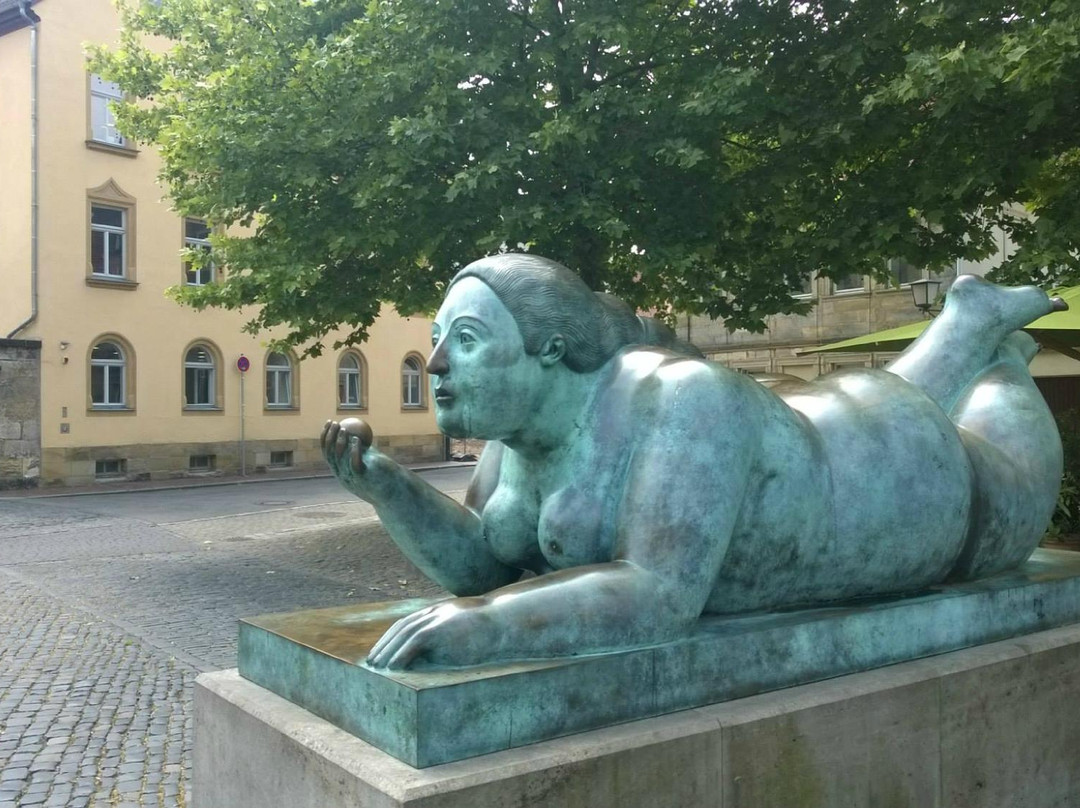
[465, 338]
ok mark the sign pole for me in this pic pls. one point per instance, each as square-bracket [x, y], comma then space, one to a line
[242, 364]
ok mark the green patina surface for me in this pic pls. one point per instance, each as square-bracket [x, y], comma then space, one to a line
[430, 716]
[630, 487]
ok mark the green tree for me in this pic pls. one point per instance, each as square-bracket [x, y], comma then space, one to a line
[693, 155]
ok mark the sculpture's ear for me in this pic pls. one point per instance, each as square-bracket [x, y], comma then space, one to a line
[552, 351]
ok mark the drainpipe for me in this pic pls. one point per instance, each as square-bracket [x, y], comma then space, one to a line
[32, 20]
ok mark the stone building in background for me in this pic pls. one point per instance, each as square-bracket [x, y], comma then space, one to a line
[132, 385]
[853, 307]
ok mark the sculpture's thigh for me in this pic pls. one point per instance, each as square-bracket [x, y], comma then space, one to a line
[1015, 451]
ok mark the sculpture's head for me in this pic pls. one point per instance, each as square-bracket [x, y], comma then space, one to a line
[505, 322]
[546, 298]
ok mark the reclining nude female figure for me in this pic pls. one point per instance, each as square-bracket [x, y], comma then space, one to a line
[645, 487]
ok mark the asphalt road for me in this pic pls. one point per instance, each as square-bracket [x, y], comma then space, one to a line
[230, 499]
[112, 604]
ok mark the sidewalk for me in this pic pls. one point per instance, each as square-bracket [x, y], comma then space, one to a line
[195, 481]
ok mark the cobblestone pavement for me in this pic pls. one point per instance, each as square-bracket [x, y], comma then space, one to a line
[105, 622]
[89, 716]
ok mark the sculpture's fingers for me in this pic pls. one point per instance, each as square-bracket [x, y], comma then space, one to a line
[391, 633]
[331, 441]
[341, 444]
[412, 648]
[399, 634]
[356, 458]
[322, 437]
[397, 628]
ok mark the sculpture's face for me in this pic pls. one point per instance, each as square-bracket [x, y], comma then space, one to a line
[483, 383]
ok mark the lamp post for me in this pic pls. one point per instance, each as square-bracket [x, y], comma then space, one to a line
[924, 295]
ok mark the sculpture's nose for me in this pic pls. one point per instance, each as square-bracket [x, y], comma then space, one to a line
[437, 364]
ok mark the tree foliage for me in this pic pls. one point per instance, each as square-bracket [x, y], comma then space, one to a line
[690, 155]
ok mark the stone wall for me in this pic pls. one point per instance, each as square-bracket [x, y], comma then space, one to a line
[778, 348]
[20, 413]
[164, 461]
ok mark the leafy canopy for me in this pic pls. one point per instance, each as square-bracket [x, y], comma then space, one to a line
[695, 155]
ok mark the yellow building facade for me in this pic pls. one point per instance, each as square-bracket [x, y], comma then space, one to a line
[132, 384]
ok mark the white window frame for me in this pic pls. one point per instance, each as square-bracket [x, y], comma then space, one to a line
[846, 290]
[412, 382]
[110, 467]
[202, 463]
[282, 459]
[809, 293]
[350, 382]
[193, 369]
[279, 381]
[108, 368]
[106, 232]
[893, 266]
[205, 274]
[102, 120]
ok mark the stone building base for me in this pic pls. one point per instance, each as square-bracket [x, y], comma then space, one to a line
[165, 461]
[989, 726]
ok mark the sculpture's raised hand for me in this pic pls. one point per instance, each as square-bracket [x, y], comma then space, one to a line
[347, 449]
[454, 633]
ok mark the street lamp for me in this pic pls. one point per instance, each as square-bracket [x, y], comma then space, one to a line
[924, 295]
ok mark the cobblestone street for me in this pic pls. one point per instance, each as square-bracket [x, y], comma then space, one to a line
[106, 620]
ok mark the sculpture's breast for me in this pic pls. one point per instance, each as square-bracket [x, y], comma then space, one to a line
[576, 528]
[510, 523]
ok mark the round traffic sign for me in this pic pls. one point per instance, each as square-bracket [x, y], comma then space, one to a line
[243, 364]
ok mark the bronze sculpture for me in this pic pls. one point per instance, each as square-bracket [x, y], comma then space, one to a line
[645, 487]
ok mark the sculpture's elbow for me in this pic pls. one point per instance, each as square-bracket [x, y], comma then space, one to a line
[668, 607]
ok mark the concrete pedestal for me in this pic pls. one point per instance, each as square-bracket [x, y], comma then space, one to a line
[429, 717]
[995, 725]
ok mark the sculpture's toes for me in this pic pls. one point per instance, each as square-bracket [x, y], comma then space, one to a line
[986, 305]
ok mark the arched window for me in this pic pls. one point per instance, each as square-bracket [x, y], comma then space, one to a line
[279, 381]
[412, 382]
[108, 368]
[350, 378]
[200, 377]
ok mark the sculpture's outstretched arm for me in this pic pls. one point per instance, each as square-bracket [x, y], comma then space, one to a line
[438, 535]
[678, 509]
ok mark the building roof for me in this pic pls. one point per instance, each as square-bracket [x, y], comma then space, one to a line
[11, 19]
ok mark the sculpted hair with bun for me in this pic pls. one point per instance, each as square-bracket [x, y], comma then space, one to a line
[546, 298]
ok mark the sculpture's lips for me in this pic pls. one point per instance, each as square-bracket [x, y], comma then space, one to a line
[442, 395]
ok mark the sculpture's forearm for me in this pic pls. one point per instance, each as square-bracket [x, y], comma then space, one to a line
[437, 534]
[586, 610]
[578, 611]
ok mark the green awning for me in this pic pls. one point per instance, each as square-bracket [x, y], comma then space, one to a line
[892, 339]
[1059, 331]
